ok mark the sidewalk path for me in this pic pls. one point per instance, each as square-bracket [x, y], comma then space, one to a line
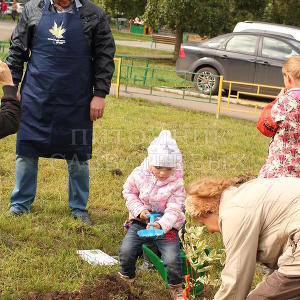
[189, 102]
[145, 44]
[6, 29]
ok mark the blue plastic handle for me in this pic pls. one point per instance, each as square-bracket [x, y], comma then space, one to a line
[151, 232]
[152, 217]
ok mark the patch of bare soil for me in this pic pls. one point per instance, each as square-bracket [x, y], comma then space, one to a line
[106, 288]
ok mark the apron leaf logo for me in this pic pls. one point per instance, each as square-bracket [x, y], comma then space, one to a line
[57, 31]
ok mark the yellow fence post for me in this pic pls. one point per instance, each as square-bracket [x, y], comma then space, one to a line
[219, 97]
[119, 60]
[243, 102]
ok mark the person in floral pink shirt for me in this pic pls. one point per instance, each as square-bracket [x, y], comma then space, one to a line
[284, 150]
[156, 186]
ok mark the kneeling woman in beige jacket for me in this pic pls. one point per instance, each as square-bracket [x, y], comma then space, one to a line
[259, 221]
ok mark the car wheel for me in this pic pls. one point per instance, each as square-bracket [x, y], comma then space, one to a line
[207, 81]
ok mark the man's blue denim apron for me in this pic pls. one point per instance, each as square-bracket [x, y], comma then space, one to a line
[57, 91]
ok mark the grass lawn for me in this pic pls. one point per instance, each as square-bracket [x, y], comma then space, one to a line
[137, 51]
[8, 17]
[38, 250]
[121, 35]
[161, 72]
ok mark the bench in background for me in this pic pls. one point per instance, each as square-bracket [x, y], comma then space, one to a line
[163, 39]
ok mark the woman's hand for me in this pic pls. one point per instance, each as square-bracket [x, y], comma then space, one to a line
[5, 75]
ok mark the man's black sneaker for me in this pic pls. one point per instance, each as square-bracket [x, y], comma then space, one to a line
[13, 213]
[85, 219]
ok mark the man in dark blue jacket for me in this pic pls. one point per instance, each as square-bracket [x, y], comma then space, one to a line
[69, 49]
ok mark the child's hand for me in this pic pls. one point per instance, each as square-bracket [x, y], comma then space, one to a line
[143, 214]
[155, 225]
[126, 225]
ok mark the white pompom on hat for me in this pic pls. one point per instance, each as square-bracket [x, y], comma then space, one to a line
[163, 151]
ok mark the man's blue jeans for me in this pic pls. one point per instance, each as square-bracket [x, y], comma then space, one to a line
[26, 181]
[168, 246]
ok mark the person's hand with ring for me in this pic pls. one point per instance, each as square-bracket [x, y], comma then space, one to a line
[97, 108]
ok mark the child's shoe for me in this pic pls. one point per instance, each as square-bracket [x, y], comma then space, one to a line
[146, 266]
[176, 291]
[126, 278]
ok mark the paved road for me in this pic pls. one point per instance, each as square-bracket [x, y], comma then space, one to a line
[145, 44]
[189, 102]
[6, 29]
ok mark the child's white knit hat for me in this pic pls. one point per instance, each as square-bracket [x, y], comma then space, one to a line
[163, 151]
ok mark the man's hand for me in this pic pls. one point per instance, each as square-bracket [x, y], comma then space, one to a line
[155, 225]
[5, 75]
[143, 214]
[97, 108]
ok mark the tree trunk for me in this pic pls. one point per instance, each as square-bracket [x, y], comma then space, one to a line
[179, 39]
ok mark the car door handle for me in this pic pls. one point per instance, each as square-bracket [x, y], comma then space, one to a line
[225, 56]
[261, 62]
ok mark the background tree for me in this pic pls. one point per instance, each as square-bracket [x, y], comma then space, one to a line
[283, 12]
[275, 11]
[128, 9]
[205, 17]
[242, 10]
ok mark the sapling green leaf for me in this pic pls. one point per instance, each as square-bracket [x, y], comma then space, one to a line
[200, 255]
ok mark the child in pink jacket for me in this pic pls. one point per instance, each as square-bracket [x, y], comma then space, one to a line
[156, 186]
[284, 150]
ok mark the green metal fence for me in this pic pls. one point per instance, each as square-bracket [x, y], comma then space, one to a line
[132, 61]
[152, 81]
[4, 46]
[3, 56]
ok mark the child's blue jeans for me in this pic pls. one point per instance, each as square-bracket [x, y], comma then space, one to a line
[168, 246]
[26, 181]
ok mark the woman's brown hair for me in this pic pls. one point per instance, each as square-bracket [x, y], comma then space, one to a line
[204, 196]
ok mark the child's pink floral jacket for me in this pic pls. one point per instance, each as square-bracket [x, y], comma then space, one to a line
[284, 149]
[142, 190]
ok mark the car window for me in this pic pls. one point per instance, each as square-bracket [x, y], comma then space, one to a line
[215, 43]
[296, 44]
[242, 44]
[273, 48]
